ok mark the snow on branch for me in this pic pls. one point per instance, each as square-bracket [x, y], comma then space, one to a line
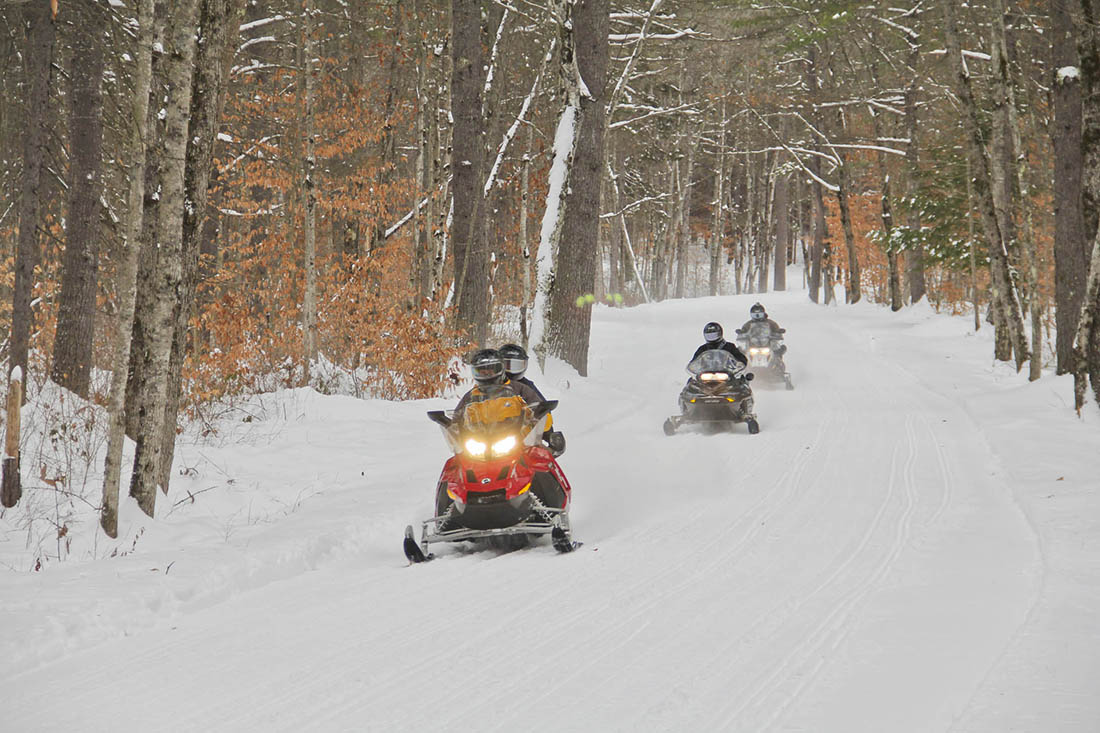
[689, 106]
[971, 54]
[634, 205]
[508, 136]
[231, 164]
[674, 36]
[245, 27]
[616, 93]
[258, 212]
[909, 32]
[793, 153]
[493, 57]
[254, 41]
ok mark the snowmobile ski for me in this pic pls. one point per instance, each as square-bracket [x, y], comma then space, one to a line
[412, 550]
[560, 539]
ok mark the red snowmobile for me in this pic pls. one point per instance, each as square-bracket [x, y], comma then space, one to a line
[502, 486]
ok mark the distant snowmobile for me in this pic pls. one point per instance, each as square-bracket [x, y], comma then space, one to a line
[717, 396]
[765, 350]
[502, 486]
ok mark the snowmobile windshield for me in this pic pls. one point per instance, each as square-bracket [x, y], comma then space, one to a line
[714, 360]
[760, 334]
[493, 426]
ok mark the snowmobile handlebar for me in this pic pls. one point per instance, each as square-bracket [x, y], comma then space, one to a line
[440, 417]
[542, 408]
[538, 410]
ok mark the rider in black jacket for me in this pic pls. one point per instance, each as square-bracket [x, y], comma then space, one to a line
[712, 334]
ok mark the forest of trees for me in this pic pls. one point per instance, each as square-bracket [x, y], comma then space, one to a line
[201, 199]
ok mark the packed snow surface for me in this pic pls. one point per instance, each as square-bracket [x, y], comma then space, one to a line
[911, 543]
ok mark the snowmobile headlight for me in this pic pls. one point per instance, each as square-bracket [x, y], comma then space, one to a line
[714, 377]
[760, 350]
[504, 445]
[475, 447]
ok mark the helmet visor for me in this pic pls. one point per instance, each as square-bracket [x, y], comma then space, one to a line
[759, 315]
[486, 371]
[515, 365]
[711, 336]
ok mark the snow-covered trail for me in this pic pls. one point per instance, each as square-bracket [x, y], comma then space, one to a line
[868, 562]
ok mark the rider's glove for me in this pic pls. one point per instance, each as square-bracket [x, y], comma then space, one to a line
[555, 441]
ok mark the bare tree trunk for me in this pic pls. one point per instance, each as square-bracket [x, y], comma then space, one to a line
[1086, 347]
[1004, 292]
[309, 184]
[752, 240]
[684, 240]
[766, 238]
[179, 56]
[852, 290]
[1071, 251]
[524, 241]
[37, 63]
[72, 355]
[971, 239]
[894, 287]
[218, 22]
[615, 206]
[717, 238]
[781, 215]
[615, 242]
[469, 256]
[561, 174]
[439, 205]
[569, 326]
[11, 488]
[820, 232]
[1001, 166]
[422, 220]
[914, 258]
[127, 272]
[893, 276]
[1019, 171]
[147, 251]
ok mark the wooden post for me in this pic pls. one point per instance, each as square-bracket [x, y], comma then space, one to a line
[11, 489]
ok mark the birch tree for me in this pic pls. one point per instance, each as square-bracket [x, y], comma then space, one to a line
[127, 272]
[219, 21]
[168, 273]
[1005, 299]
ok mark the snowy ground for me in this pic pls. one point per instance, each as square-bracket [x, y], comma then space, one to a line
[911, 543]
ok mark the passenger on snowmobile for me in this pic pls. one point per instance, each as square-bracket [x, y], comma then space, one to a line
[515, 365]
[757, 315]
[487, 369]
[712, 335]
[501, 485]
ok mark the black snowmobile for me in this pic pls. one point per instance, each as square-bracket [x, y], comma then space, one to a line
[765, 352]
[717, 396]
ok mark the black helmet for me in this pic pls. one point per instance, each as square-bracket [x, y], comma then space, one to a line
[757, 312]
[712, 332]
[487, 367]
[515, 360]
